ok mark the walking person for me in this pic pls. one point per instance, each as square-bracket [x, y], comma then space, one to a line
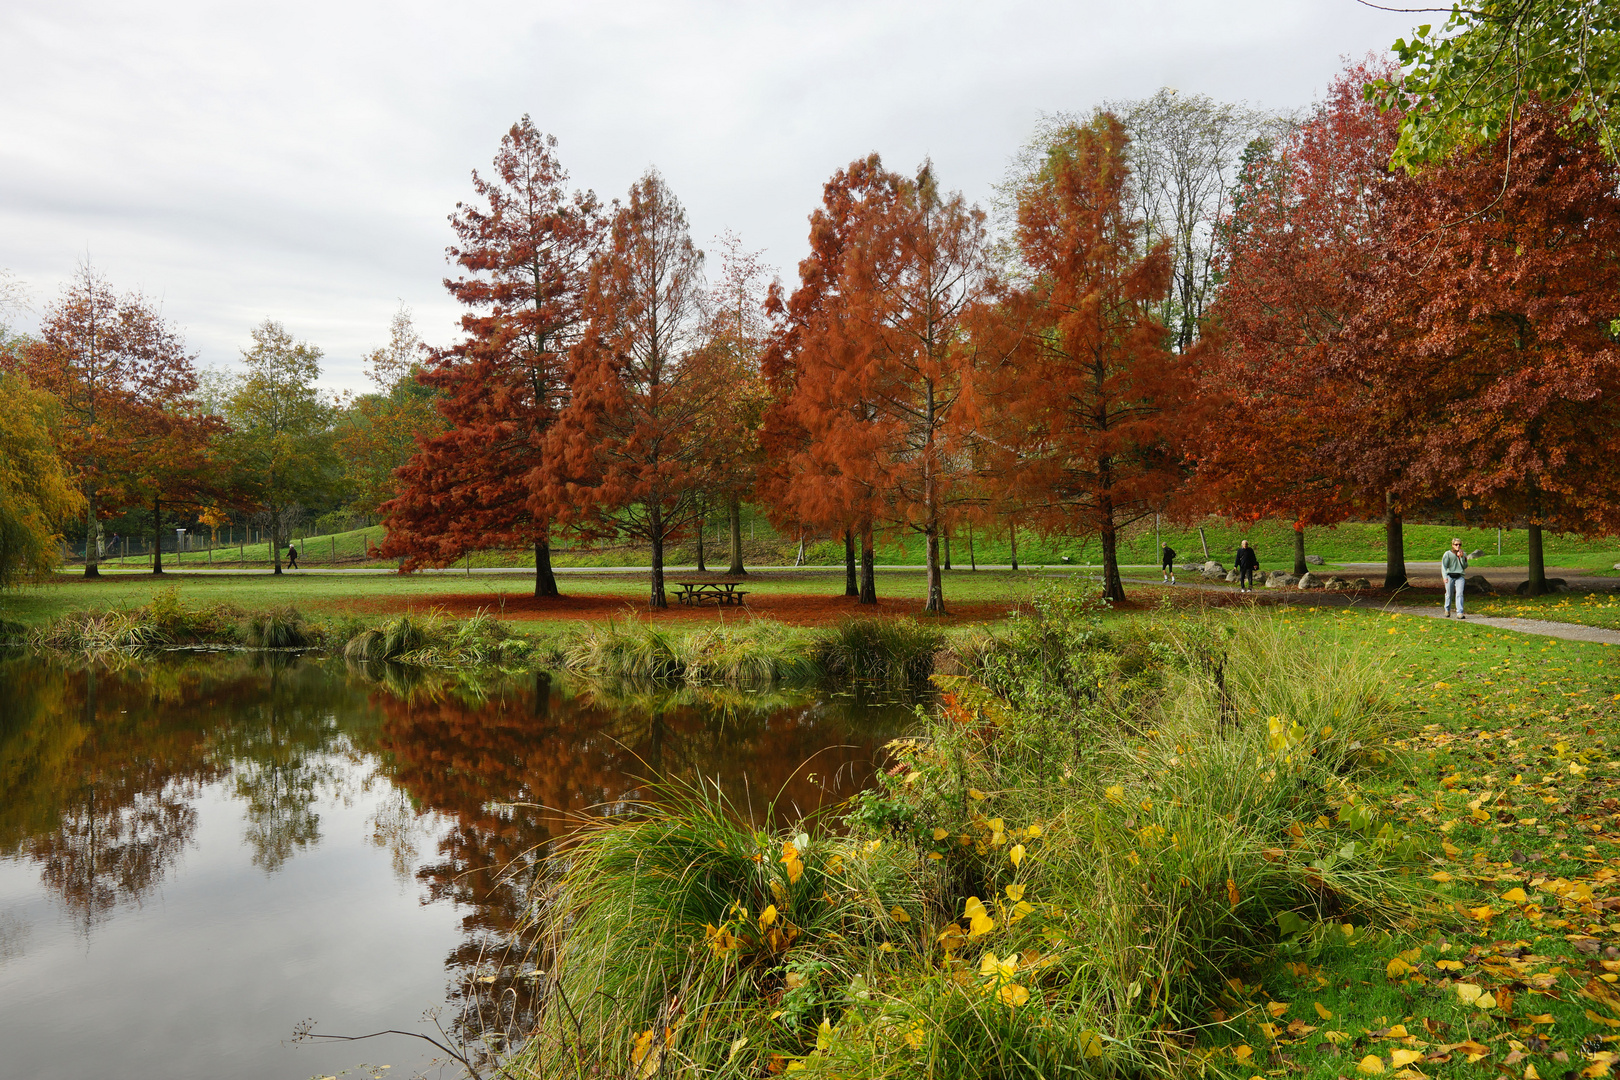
[292, 557]
[1452, 564]
[1247, 563]
[1167, 562]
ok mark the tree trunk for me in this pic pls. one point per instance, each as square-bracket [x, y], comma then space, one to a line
[868, 576]
[1538, 565]
[852, 585]
[734, 512]
[275, 540]
[1300, 568]
[157, 534]
[936, 585]
[1394, 551]
[545, 582]
[973, 561]
[90, 553]
[945, 541]
[1113, 585]
[656, 520]
[1012, 534]
[702, 566]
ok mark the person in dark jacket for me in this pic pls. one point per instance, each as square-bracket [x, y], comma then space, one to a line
[292, 557]
[1247, 563]
[1168, 562]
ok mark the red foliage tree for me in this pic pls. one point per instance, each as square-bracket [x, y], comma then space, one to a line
[1295, 432]
[1489, 330]
[526, 250]
[1088, 414]
[881, 365]
[122, 376]
[636, 436]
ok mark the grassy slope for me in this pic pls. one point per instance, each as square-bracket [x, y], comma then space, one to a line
[1357, 542]
[1509, 764]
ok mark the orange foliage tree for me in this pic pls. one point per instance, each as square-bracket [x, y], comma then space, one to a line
[1294, 431]
[636, 437]
[481, 483]
[881, 363]
[121, 375]
[1489, 330]
[1088, 413]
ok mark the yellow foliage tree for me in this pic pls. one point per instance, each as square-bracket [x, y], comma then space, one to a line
[36, 492]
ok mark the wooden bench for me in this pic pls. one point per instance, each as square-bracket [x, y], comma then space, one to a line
[720, 593]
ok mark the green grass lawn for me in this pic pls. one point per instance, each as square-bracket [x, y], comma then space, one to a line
[1508, 771]
[324, 593]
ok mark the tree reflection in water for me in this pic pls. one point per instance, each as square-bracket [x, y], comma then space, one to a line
[102, 769]
[516, 765]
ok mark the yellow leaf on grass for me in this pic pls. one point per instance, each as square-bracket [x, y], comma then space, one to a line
[940, 834]
[1483, 914]
[1016, 854]
[1596, 1019]
[999, 969]
[1012, 995]
[1486, 1001]
[1015, 892]
[1371, 1065]
[1404, 1057]
[1397, 968]
[915, 1035]
[1321, 1012]
[1033, 832]
[1243, 1053]
[899, 914]
[1530, 1073]
[1468, 992]
[1449, 965]
[1116, 793]
[975, 794]
[1516, 896]
[767, 917]
[1276, 1008]
[1441, 876]
[1091, 1044]
[979, 921]
[1232, 896]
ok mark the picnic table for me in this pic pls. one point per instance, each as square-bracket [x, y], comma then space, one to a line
[720, 593]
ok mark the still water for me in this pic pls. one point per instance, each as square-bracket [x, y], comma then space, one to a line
[198, 853]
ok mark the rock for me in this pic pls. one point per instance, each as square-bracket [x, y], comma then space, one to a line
[1310, 581]
[1190, 567]
[1617, 566]
[1314, 560]
[1336, 584]
[1361, 583]
[1279, 579]
[1231, 575]
[1212, 570]
[1554, 584]
[1479, 583]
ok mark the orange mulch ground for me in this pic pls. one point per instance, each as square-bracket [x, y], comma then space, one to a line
[799, 609]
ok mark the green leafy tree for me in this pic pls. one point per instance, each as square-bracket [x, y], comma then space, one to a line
[1464, 83]
[282, 430]
[378, 433]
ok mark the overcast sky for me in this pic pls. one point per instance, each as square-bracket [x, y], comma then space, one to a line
[297, 161]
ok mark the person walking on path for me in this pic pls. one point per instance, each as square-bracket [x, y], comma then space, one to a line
[1247, 563]
[292, 557]
[1452, 565]
[1167, 562]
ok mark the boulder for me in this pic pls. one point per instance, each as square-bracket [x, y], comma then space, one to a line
[1279, 579]
[1478, 583]
[1336, 584]
[1212, 570]
[1231, 575]
[1554, 584]
[1310, 581]
[1314, 560]
[1361, 583]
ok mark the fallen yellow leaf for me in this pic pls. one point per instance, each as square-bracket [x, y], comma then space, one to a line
[1404, 1057]
[1276, 1008]
[1515, 896]
[1371, 1065]
[1323, 1013]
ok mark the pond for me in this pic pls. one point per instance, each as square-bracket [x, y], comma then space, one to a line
[199, 853]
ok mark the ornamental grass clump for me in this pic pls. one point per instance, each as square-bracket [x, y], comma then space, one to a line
[894, 652]
[1045, 881]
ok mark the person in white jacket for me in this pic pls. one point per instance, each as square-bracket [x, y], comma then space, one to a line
[1452, 566]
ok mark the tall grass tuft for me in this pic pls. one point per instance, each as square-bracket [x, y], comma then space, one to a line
[1057, 876]
[890, 651]
[279, 628]
[755, 652]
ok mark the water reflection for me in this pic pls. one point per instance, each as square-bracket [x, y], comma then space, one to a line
[465, 783]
